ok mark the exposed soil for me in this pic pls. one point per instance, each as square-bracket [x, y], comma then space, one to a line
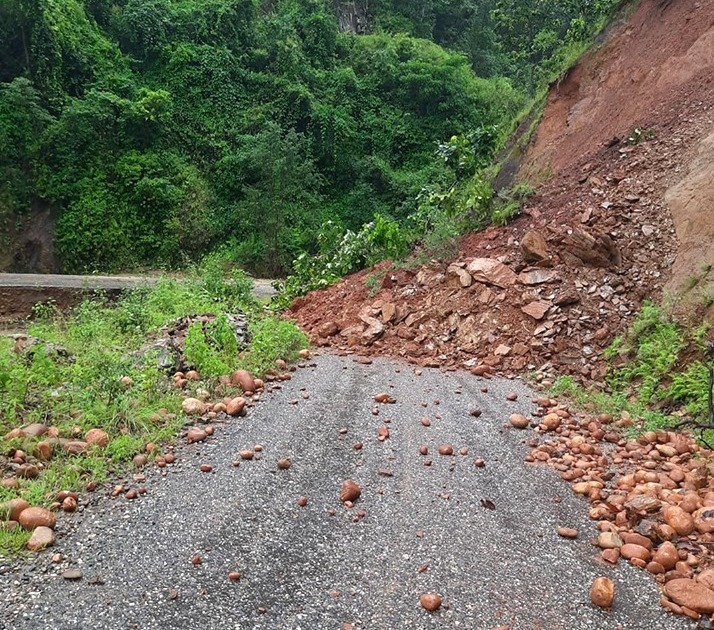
[612, 240]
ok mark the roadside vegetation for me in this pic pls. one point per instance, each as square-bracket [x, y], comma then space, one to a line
[95, 367]
[659, 375]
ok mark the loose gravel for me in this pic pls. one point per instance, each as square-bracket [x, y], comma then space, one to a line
[301, 567]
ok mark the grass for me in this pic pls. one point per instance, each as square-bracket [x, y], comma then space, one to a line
[74, 379]
[658, 367]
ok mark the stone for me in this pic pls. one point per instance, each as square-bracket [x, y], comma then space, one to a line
[41, 537]
[430, 601]
[537, 276]
[643, 503]
[97, 436]
[630, 551]
[446, 449]
[609, 540]
[43, 450]
[12, 509]
[328, 329]
[680, 521]
[704, 520]
[193, 406]
[458, 277]
[350, 491]
[490, 271]
[534, 249]
[519, 421]
[567, 532]
[72, 574]
[502, 350]
[694, 595]
[389, 312]
[33, 517]
[36, 429]
[536, 310]
[602, 592]
[244, 380]
[196, 434]
[235, 406]
[75, 447]
[595, 251]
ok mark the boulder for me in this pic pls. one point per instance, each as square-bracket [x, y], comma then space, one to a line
[694, 595]
[490, 271]
[534, 249]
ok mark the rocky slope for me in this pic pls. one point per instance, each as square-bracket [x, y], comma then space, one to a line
[624, 216]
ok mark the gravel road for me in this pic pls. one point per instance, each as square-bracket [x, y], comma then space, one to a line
[302, 568]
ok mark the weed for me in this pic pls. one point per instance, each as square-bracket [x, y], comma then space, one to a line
[373, 282]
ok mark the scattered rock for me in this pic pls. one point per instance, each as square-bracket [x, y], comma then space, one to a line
[193, 406]
[694, 595]
[567, 532]
[72, 574]
[519, 421]
[602, 592]
[33, 517]
[97, 436]
[350, 491]
[430, 601]
[41, 537]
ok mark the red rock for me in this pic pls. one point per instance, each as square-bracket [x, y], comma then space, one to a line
[430, 601]
[630, 551]
[666, 555]
[519, 421]
[75, 447]
[12, 509]
[302, 501]
[490, 271]
[679, 520]
[36, 429]
[602, 592]
[328, 329]
[284, 463]
[235, 406]
[567, 532]
[536, 310]
[694, 595]
[350, 491]
[196, 434]
[534, 248]
[246, 454]
[43, 451]
[193, 406]
[33, 517]
[244, 380]
[97, 436]
[446, 449]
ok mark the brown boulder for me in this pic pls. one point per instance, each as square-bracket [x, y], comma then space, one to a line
[680, 521]
[597, 251]
[12, 509]
[235, 406]
[75, 447]
[534, 248]
[33, 517]
[602, 592]
[328, 329]
[350, 491]
[97, 436]
[244, 380]
[35, 430]
[690, 594]
[490, 271]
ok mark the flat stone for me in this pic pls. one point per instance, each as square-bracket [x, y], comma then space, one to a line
[490, 271]
[537, 276]
[536, 310]
[691, 594]
[72, 574]
[41, 537]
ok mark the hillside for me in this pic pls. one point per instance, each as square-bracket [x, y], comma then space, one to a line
[149, 133]
[623, 216]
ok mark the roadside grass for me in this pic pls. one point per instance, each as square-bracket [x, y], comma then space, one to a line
[89, 370]
[659, 375]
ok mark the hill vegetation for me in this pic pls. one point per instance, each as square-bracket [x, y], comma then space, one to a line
[161, 130]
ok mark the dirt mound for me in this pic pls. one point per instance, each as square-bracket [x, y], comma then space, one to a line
[552, 289]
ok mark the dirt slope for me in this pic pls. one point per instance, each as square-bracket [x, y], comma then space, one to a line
[621, 219]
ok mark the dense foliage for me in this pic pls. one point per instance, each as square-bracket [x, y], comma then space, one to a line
[162, 129]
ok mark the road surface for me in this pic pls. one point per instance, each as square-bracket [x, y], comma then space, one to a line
[303, 568]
